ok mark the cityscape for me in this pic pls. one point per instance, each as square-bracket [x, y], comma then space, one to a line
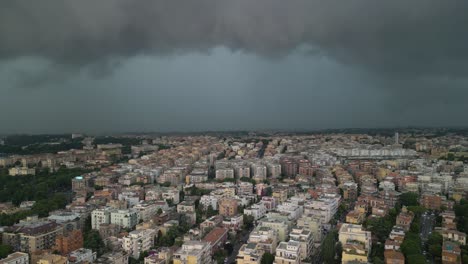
[381, 196]
[233, 132]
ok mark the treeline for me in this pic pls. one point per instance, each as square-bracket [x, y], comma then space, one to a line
[32, 188]
[51, 191]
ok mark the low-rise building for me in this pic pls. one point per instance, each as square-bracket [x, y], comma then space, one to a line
[82, 255]
[16, 258]
[193, 252]
[288, 253]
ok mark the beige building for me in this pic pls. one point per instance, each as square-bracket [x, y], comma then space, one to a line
[32, 236]
[16, 258]
[52, 259]
[228, 207]
[21, 171]
[248, 254]
[193, 252]
[356, 243]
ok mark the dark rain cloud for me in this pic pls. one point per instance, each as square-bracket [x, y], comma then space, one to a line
[403, 37]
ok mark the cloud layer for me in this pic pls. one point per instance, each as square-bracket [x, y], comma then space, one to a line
[405, 37]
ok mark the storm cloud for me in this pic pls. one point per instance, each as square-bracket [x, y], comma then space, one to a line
[184, 65]
[405, 37]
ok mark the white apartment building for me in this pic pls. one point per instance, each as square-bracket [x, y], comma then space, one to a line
[125, 218]
[293, 210]
[138, 241]
[100, 216]
[326, 208]
[257, 210]
[305, 238]
[147, 210]
[281, 227]
[288, 253]
[313, 223]
[207, 200]
[82, 255]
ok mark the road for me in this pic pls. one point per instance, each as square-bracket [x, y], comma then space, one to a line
[426, 226]
[237, 246]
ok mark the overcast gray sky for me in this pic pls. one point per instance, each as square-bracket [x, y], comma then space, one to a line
[116, 66]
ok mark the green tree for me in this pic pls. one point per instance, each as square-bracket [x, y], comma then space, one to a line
[328, 247]
[409, 199]
[5, 250]
[267, 258]
[92, 240]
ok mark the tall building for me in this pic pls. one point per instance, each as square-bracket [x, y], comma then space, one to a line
[30, 237]
[139, 241]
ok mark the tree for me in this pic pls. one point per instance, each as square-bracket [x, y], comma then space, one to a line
[409, 199]
[210, 211]
[268, 191]
[160, 211]
[248, 221]
[93, 241]
[328, 247]
[5, 250]
[267, 258]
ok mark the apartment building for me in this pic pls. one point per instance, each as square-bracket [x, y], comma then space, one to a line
[305, 238]
[138, 241]
[228, 207]
[356, 243]
[30, 237]
[193, 252]
[82, 255]
[69, 242]
[16, 258]
[266, 239]
[248, 254]
[288, 253]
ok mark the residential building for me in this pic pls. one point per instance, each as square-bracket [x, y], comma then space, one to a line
[193, 252]
[52, 259]
[288, 253]
[248, 254]
[69, 242]
[228, 207]
[16, 258]
[138, 241]
[82, 255]
[217, 238]
[113, 258]
[266, 239]
[356, 243]
[394, 257]
[451, 253]
[30, 237]
[125, 218]
[306, 240]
